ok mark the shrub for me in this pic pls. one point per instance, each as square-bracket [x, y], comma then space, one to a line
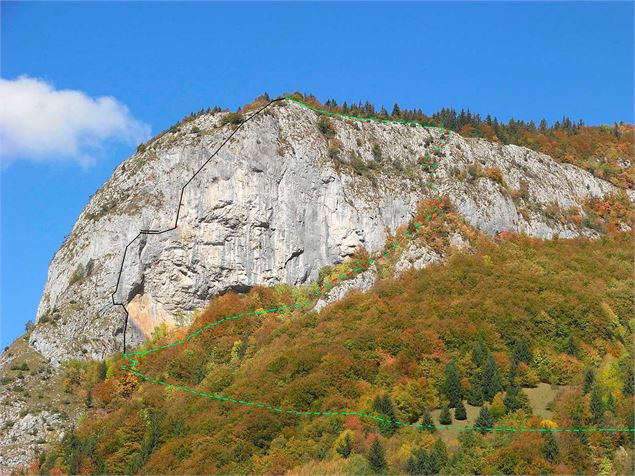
[335, 147]
[495, 174]
[376, 150]
[474, 171]
[522, 193]
[233, 118]
[359, 165]
[325, 126]
[78, 275]
[141, 148]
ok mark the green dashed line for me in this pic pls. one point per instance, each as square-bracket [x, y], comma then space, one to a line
[435, 209]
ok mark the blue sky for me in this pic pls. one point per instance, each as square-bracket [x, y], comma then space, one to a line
[164, 60]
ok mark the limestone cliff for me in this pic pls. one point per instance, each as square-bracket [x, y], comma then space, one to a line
[285, 196]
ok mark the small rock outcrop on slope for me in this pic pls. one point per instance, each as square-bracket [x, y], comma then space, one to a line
[284, 197]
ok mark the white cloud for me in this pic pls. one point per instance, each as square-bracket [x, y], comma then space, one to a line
[39, 122]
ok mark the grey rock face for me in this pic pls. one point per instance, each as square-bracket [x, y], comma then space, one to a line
[361, 282]
[276, 204]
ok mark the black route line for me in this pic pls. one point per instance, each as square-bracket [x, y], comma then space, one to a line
[178, 211]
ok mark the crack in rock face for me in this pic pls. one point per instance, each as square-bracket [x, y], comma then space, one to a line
[274, 206]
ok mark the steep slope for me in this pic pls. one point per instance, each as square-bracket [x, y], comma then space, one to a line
[519, 324]
[287, 195]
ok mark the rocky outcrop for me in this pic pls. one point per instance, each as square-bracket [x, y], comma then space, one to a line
[280, 200]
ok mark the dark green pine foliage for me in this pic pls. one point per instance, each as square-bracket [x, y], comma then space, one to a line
[439, 455]
[550, 446]
[445, 418]
[460, 413]
[491, 379]
[103, 370]
[148, 444]
[484, 421]
[610, 403]
[589, 379]
[629, 384]
[345, 447]
[597, 405]
[475, 395]
[513, 373]
[423, 462]
[572, 346]
[419, 462]
[521, 352]
[515, 399]
[452, 384]
[376, 457]
[479, 353]
[428, 423]
[71, 451]
[383, 405]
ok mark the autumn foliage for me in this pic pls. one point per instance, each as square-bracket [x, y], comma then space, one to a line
[498, 319]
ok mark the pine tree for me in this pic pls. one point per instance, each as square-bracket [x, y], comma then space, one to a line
[383, 404]
[345, 445]
[513, 373]
[479, 353]
[589, 379]
[572, 346]
[452, 384]
[428, 423]
[610, 403]
[439, 453]
[514, 399]
[396, 111]
[445, 418]
[491, 379]
[628, 388]
[521, 352]
[419, 462]
[597, 405]
[103, 370]
[376, 458]
[475, 395]
[550, 447]
[460, 413]
[484, 420]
